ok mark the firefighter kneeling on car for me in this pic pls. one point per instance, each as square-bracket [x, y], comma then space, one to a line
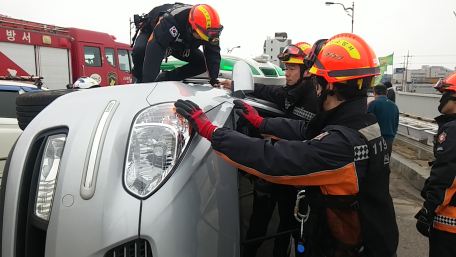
[341, 151]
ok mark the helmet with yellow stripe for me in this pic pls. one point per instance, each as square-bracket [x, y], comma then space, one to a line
[305, 47]
[346, 57]
[295, 54]
[205, 21]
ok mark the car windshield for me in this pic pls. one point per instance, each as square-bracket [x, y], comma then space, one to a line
[8, 104]
[268, 72]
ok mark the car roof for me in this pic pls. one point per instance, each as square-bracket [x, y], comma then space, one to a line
[250, 60]
[15, 83]
[9, 85]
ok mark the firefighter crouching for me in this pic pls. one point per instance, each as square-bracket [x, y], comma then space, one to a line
[437, 218]
[341, 151]
[179, 31]
[145, 26]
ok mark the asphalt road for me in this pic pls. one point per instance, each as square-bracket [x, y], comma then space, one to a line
[407, 202]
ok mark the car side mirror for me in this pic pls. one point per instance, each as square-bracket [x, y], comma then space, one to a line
[242, 82]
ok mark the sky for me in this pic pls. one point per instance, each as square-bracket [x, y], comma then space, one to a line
[427, 29]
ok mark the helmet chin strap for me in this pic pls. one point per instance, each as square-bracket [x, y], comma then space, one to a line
[301, 76]
[323, 96]
[446, 97]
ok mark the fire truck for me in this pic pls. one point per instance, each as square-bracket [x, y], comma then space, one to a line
[62, 55]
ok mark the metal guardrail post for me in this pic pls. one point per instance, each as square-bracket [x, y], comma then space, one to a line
[423, 148]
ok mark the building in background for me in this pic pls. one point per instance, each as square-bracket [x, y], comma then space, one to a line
[273, 46]
[427, 74]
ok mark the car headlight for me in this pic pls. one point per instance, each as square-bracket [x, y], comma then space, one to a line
[157, 140]
[49, 172]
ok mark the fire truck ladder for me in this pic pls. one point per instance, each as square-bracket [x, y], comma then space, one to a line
[23, 25]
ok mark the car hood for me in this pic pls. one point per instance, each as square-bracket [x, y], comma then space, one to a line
[206, 96]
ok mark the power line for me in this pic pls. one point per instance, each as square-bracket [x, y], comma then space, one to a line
[426, 56]
[435, 62]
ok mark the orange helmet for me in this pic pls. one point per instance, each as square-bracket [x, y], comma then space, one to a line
[447, 84]
[294, 53]
[206, 22]
[305, 47]
[345, 57]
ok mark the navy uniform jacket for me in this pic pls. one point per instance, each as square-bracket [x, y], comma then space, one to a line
[173, 30]
[305, 107]
[440, 190]
[335, 153]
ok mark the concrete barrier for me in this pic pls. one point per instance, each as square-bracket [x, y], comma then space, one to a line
[411, 171]
[418, 105]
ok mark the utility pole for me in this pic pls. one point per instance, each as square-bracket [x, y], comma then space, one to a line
[406, 68]
[403, 74]
[353, 14]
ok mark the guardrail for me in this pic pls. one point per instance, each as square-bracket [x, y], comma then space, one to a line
[417, 133]
[417, 144]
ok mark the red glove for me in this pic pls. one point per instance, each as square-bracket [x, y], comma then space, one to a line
[196, 117]
[249, 113]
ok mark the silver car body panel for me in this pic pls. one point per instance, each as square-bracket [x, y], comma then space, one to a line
[179, 217]
[198, 212]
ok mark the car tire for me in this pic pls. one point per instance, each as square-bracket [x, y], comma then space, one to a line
[29, 104]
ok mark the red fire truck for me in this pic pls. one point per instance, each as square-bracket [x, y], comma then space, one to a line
[61, 55]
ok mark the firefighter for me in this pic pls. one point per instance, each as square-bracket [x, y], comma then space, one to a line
[179, 32]
[298, 96]
[437, 217]
[145, 26]
[299, 99]
[341, 151]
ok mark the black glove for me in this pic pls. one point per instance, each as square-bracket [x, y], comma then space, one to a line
[162, 76]
[424, 190]
[214, 81]
[424, 221]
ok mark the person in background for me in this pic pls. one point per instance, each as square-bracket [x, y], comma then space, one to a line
[437, 217]
[390, 94]
[387, 114]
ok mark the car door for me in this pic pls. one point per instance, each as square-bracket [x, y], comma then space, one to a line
[265, 209]
[93, 63]
[111, 66]
[124, 69]
[9, 130]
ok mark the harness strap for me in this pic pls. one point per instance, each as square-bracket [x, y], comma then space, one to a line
[334, 201]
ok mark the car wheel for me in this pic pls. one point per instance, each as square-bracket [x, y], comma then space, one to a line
[29, 104]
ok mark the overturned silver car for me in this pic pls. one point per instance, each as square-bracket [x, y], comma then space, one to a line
[115, 172]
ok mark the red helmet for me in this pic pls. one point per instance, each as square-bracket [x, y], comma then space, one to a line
[346, 57]
[206, 22]
[447, 84]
